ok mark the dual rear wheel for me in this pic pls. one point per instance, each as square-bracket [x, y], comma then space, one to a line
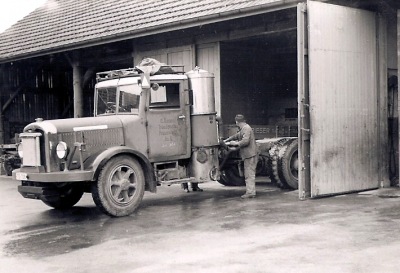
[281, 165]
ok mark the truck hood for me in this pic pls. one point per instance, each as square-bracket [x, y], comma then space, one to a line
[77, 124]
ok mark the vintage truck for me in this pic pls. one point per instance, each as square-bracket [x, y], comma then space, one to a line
[153, 125]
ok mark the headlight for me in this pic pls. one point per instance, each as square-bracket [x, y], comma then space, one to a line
[20, 150]
[62, 150]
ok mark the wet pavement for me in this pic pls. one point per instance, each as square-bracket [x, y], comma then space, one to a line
[210, 231]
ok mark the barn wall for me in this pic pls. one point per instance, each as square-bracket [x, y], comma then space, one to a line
[30, 90]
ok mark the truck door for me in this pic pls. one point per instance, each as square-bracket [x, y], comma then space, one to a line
[340, 106]
[168, 122]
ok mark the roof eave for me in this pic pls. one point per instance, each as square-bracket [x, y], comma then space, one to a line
[181, 24]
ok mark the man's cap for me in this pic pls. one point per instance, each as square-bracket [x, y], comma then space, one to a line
[240, 118]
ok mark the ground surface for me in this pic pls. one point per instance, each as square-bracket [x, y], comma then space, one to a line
[210, 231]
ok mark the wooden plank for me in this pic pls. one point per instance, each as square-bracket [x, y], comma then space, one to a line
[382, 64]
[208, 58]
[398, 75]
[303, 103]
[183, 55]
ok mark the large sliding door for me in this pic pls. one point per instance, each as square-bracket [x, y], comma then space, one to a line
[339, 94]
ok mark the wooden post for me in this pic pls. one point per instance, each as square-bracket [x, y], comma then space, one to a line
[1, 124]
[2, 86]
[382, 103]
[77, 84]
[398, 69]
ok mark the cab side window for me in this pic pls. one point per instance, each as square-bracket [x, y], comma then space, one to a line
[129, 97]
[166, 96]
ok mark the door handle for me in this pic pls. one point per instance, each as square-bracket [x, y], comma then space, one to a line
[182, 117]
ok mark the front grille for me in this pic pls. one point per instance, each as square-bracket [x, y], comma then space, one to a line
[31, 148]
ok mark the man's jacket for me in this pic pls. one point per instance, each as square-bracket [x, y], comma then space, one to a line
[247, 142]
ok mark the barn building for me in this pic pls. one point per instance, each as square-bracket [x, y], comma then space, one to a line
[324, 71]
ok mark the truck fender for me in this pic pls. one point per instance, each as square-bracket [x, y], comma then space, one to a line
[97, 161]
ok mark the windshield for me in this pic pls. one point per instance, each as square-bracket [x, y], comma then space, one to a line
[128, 102]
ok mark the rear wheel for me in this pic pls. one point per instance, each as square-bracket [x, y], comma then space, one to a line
[68, 196]
[120, 186]
[273, 162]
[288, 165]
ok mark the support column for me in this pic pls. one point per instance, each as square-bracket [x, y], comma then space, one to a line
[398, 70]
[77, 85]
[2, 90]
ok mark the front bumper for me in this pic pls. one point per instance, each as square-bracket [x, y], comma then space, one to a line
[62, 176]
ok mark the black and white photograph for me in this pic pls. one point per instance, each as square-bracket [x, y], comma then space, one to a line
[225, 136]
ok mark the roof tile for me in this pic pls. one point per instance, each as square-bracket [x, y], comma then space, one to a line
[66, 23]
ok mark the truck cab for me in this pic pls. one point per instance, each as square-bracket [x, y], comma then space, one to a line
[155, 122]
[141, 135]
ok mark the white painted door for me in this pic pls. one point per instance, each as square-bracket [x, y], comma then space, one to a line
[338, 90]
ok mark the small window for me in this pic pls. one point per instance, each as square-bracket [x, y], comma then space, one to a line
[129, 97]
[167, 95]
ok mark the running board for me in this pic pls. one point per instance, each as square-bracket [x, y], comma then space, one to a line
[178, 181]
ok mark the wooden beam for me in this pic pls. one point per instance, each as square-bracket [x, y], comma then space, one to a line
[382, 95]
[398, 70]
[77, 84]
[1, 112]
[13, 96]
[74, 61]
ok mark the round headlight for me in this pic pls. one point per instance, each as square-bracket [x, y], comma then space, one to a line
[20, 150]
[62, 150]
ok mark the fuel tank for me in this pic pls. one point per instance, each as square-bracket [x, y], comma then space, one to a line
[204, 160]
[203, 115]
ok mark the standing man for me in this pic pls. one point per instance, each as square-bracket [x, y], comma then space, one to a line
[248, 152]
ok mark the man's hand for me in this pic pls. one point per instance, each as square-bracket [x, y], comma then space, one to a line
[233, 143]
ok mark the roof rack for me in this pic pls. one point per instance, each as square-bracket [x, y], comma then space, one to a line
[135, 72]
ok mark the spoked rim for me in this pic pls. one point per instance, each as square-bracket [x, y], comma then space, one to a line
[122, 185]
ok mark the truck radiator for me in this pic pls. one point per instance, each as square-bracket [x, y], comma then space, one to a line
[31, 147]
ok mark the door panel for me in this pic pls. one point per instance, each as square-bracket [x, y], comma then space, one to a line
[168, 122]
[342, 59]
[207, 58]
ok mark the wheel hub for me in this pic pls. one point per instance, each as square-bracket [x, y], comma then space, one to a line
[296, 164]
[125, 184]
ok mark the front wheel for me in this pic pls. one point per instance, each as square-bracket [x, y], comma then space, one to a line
[120, 186]
[68, 196]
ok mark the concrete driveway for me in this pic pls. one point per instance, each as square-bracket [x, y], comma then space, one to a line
[210, 231]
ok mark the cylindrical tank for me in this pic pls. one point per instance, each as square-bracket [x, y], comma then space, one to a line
[204, 163]
[203, 115]
[201, 82]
